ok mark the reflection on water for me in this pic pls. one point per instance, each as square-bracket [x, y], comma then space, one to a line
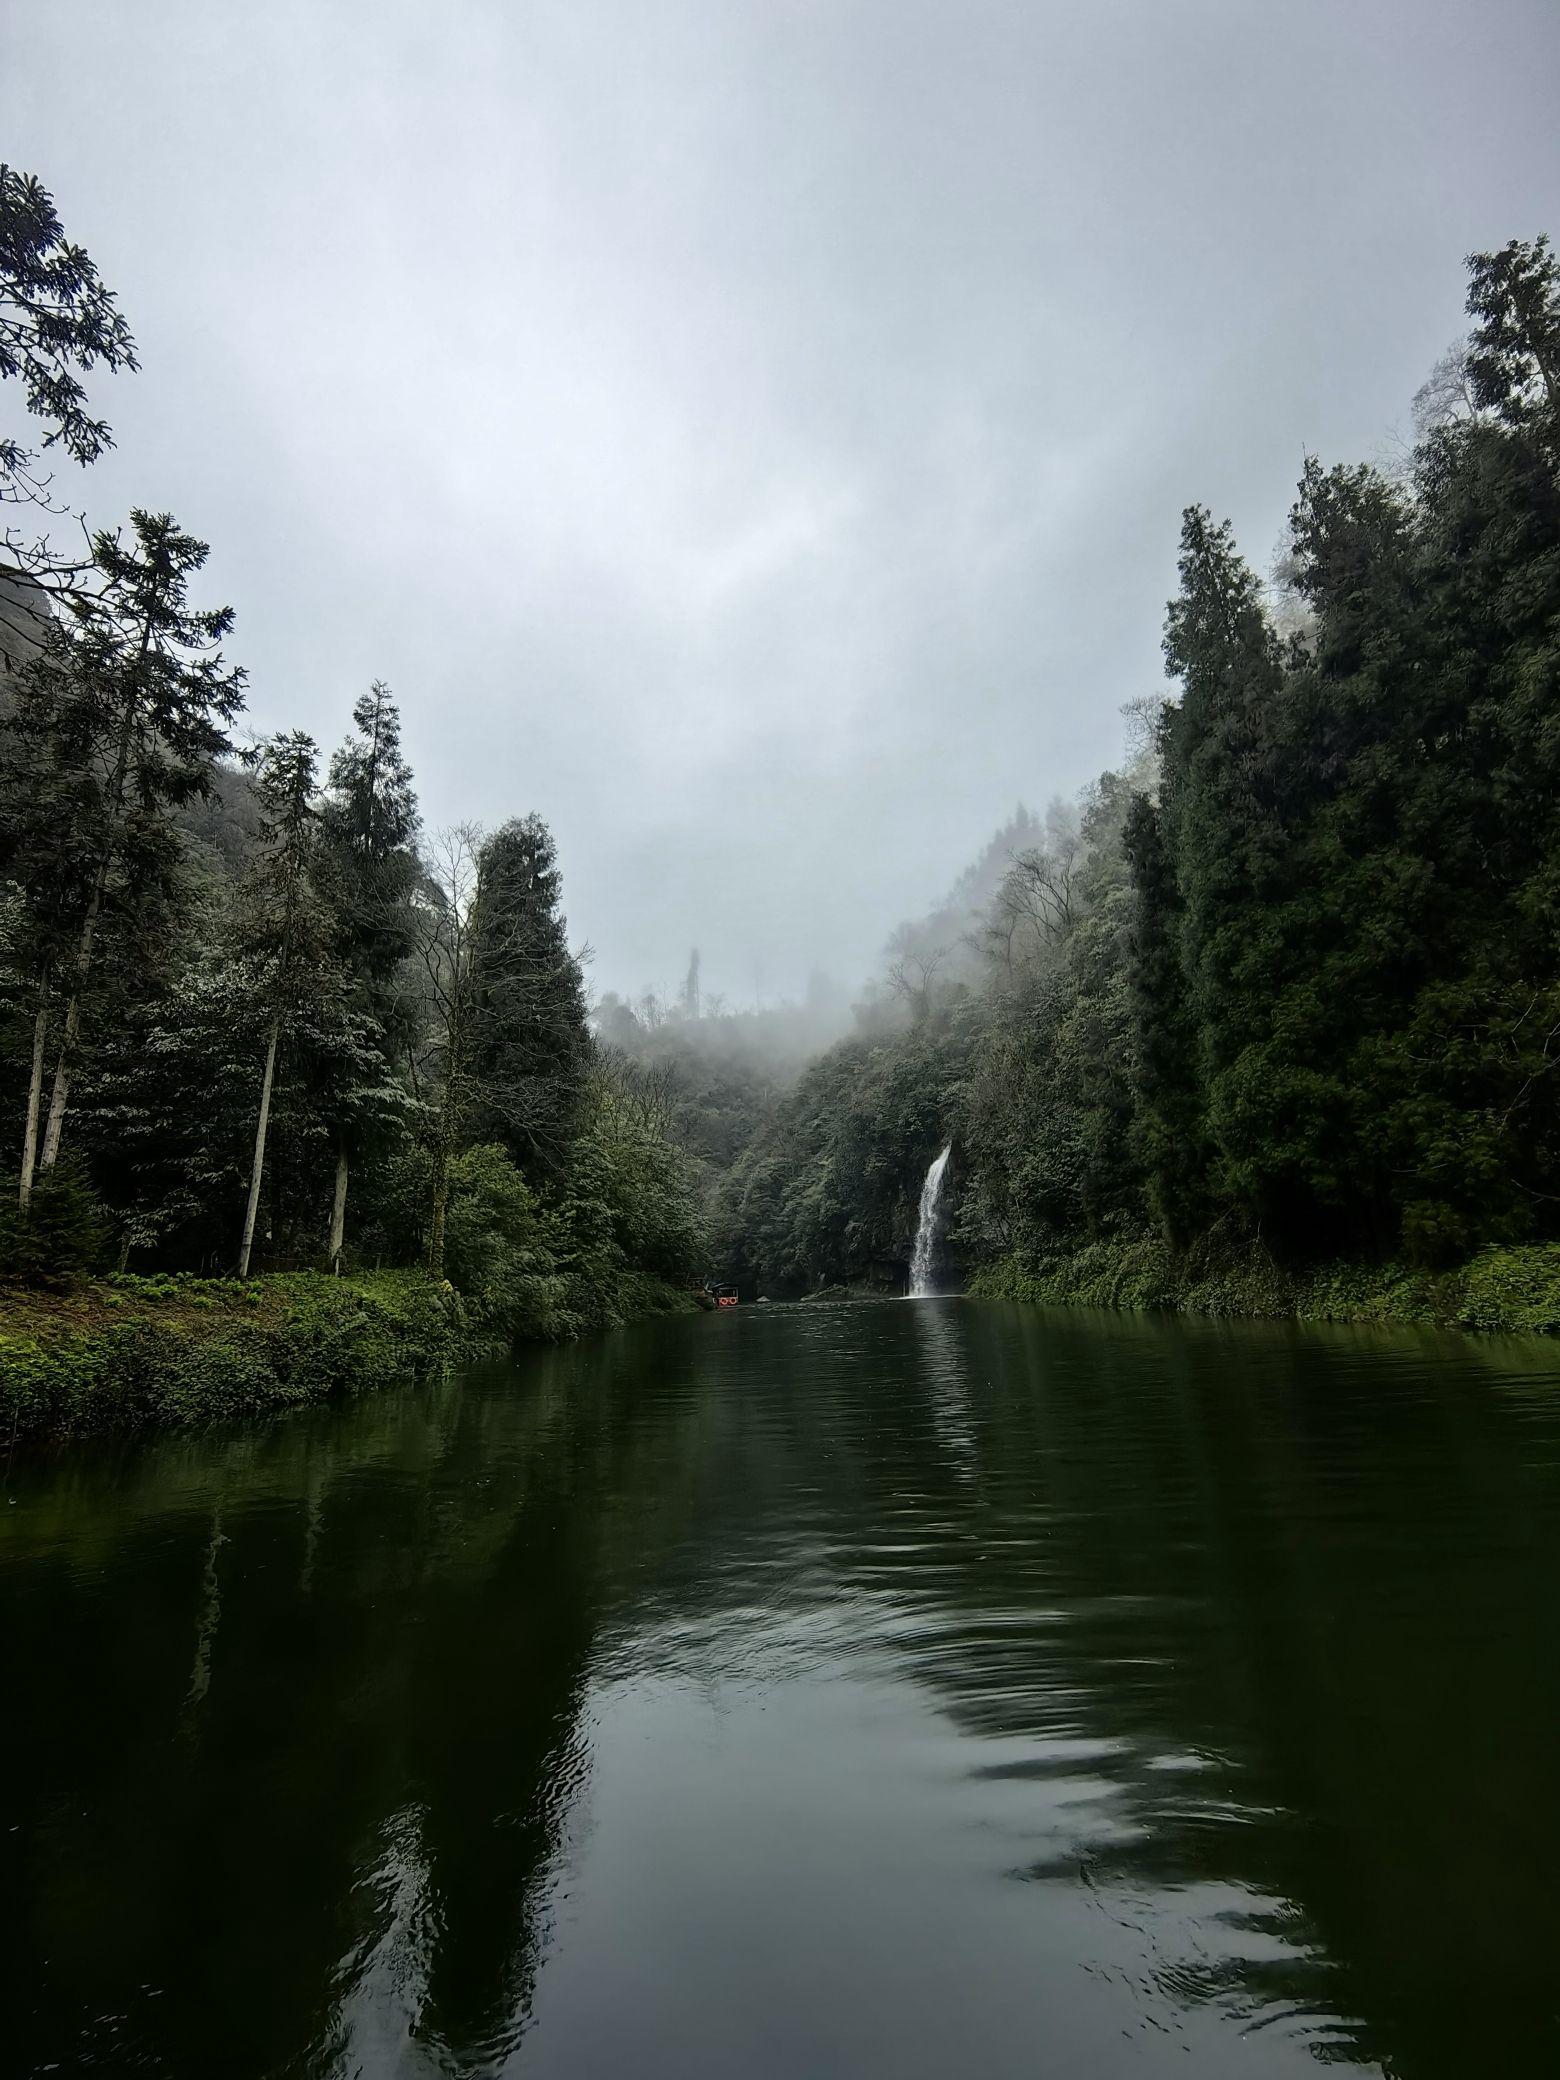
[865, 1690]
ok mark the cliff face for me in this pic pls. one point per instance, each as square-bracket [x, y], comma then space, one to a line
[24, 616]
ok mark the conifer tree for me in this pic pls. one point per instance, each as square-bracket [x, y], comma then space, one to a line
[369, 828]
[530, 1040]
[285, 927]
[57, 321]
[128, 718]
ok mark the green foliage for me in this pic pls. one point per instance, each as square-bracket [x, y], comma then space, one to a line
[1346, 978]
[530, 1045]
[498, 1252]
[1292, 974]
[616, 1238]
[1512, 1289]
[1296, 985]
[826, 1192]
[370, 871]
[1509, 1291]
[1514, 357]
[271, 1021]
[64, 1230]
[56, 317]
[192, 1351]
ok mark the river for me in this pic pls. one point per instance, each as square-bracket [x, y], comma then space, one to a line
[875, 1690]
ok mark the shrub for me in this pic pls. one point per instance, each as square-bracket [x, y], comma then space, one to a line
[64, 1231]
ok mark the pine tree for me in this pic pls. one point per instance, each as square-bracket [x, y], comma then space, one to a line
[369, 829]
[530, 1040]
[1220, 827]
[127, 719]
[57, 320]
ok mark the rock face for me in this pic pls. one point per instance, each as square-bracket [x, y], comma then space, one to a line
[24, 616]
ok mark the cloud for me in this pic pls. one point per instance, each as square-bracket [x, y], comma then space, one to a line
[754, 435]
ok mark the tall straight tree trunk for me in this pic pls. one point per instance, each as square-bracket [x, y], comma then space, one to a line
[258, 1169]
[59, 1097]
[34, 1100]
[338, 1211]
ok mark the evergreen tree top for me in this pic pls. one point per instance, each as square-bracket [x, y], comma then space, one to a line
[56, 317]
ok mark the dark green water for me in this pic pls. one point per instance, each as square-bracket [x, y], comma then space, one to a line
[886, 1690]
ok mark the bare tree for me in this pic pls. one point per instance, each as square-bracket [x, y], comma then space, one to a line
[911, 975]
[1446, 393]
[1040, 899]
[645, 1093]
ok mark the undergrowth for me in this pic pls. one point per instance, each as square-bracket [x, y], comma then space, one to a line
[1512, 1290]
[123, 1352]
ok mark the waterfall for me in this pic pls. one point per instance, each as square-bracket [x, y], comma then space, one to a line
[926, 1231]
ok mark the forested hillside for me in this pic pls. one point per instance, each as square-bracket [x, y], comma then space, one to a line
[1288, 985]
[253, 1016]
[1284, 988]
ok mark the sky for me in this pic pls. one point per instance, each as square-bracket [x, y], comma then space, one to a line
[753, 433]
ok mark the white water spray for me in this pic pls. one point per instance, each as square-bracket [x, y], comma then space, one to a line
[926, 1231]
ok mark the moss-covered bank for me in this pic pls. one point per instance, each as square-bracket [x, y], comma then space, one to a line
[121, 1353]
[1514, 1291]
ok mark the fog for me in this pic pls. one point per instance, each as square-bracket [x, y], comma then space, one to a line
[753, 435]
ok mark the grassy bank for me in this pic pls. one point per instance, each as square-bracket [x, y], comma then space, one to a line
[1516, 1291]
[121, 1353]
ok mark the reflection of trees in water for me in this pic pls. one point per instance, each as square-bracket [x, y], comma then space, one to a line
[1293, 1597]
[1267, 1610]
[389, 1614]
[1267, 1634]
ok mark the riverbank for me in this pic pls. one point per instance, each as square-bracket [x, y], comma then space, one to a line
[1512, 1291]
[127, 1353]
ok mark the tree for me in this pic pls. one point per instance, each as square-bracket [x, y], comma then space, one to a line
[57, 321]
[1446, 394]
[447, 922]
[47, 803]
[285, 926]
[369, 828]
[1514, 354]
[912, 973]
[123, 722]
[530, 1038]
[1038, 902]
[1170, 1124]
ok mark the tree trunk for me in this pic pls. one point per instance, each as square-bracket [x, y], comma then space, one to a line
[338, 1211]
[34, 1099]
[59, 1097]
[258, 1170]
[116, 801]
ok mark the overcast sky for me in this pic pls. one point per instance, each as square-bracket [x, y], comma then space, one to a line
[753, 433]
